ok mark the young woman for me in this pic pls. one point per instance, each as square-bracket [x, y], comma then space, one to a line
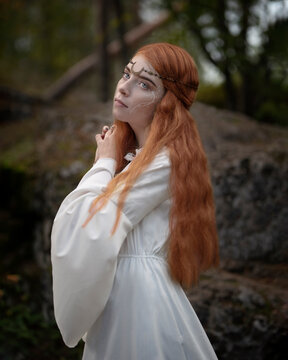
[140, 224]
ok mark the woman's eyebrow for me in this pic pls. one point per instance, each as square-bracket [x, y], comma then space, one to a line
[145, 78]
[140, 76]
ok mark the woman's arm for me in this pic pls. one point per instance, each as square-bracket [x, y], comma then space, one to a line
[84, 260]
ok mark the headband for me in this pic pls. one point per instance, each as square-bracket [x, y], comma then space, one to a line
[137, 73]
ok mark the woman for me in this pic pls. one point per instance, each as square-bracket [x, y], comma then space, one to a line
[122, 245]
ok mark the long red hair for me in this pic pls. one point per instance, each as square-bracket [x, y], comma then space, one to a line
[193, 243]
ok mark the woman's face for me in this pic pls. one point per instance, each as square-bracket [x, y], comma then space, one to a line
[137, 95]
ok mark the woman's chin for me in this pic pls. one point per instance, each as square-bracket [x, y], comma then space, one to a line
[118, 116]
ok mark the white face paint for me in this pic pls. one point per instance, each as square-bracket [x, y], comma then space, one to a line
[137, 95]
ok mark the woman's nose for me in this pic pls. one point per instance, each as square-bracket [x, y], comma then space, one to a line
[124, 90]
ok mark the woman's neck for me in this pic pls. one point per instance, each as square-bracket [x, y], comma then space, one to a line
[141, 136]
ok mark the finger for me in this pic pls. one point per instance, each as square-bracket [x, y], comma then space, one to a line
[98, 138]
[112, 129]
[105, 129]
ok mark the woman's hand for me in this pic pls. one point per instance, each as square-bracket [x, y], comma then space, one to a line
[106, 143]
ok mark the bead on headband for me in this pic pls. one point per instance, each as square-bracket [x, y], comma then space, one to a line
[137, 73]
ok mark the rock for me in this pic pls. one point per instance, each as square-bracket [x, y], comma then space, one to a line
[73, 169]
[242, 322]
[251, 205]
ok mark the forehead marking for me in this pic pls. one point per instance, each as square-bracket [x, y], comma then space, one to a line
[143, 69]
[137, 73]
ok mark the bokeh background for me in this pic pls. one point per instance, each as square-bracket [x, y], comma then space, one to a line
[60, 61]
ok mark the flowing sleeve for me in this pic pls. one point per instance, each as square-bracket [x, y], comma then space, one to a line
[84, 259]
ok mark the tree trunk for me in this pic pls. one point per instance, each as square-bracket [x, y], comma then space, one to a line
[121, 29]
[231, 97]
[104, 58]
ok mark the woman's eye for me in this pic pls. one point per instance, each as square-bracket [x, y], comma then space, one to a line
[126, 75]
[143, 85]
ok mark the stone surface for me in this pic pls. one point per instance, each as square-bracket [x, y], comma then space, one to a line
[252, 208]
[244, 318]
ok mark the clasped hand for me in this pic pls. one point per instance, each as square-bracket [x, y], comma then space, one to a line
[106, 143]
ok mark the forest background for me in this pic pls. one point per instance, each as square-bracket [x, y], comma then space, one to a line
[58, 51]
[240, 46]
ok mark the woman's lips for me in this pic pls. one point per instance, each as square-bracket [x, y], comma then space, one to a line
[119, 102]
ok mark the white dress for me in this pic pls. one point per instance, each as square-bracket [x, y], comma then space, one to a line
[116, 290]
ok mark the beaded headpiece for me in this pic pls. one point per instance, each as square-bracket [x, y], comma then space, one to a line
[191, 85]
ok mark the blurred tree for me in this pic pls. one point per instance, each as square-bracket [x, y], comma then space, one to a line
[104, 58]
[121, 27]
[104, 15]
[244, 41]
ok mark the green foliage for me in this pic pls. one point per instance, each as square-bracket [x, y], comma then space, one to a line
[213, 94]
[273, 113]
[254, 67]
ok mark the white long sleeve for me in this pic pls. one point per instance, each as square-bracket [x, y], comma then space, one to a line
[84, 259]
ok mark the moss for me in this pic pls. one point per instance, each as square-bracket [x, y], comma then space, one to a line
[20, 156]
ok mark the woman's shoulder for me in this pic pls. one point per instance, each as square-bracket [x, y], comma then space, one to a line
[159, 164]
[162, 157]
